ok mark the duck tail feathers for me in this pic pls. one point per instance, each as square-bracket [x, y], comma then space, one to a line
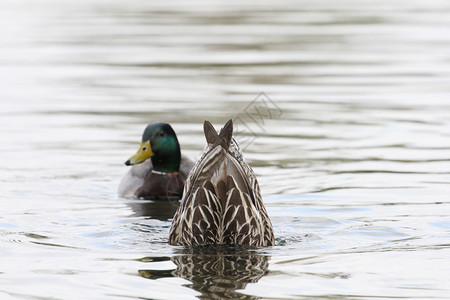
[223, 138]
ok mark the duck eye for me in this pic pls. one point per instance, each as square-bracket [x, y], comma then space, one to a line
[161, 133]
[144, 149]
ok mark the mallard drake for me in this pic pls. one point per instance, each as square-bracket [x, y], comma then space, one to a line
[221, 203]
[159, 170]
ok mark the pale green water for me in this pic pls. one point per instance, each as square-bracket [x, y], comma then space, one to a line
[353, 162]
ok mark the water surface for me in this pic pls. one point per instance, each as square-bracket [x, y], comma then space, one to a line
[352, 155]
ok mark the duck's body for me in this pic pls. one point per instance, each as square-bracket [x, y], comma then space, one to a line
[221, 201]
[159, 170]
[139, 181]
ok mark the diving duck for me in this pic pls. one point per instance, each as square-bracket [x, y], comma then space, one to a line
[159, 169]
[221, 203]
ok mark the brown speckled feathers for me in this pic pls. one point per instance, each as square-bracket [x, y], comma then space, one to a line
[221, 202]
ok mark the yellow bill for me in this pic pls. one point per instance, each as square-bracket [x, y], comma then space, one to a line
[144, 152]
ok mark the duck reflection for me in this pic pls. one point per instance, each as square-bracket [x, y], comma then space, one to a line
[162, 210]
[216, 272]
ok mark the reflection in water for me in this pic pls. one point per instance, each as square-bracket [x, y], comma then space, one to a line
[215, 272]
[162, 210]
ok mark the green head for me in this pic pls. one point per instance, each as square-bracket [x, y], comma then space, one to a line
[159, 142]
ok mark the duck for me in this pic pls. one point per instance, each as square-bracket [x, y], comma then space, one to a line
[221, 202]
[159, 170]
